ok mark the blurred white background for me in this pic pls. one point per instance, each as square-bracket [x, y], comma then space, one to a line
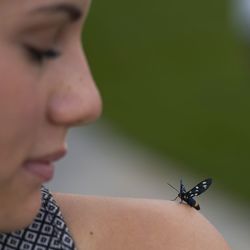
[102, 162]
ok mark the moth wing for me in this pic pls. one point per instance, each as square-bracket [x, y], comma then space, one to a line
[199, 188]
[182, 188]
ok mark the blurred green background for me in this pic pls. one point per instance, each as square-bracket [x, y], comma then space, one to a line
[174, 76]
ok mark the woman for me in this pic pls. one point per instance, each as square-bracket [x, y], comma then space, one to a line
[46, 88]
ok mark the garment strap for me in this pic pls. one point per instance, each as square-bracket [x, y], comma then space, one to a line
[47, 232]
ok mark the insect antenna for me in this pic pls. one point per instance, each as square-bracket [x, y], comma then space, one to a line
[174, 189]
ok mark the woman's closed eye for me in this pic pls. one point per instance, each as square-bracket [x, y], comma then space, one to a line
[39, 55]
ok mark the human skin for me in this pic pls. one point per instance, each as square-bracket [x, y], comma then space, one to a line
[40, 97]
[137, 224]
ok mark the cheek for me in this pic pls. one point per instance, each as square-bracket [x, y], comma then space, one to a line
[19, 115]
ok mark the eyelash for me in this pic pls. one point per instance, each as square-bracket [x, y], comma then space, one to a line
[39, 55]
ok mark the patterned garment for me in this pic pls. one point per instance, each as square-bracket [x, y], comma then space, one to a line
[47, 232]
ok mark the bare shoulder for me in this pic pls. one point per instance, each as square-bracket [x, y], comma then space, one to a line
[124, 223]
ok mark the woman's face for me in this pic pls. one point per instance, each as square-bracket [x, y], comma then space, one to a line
[45, 88]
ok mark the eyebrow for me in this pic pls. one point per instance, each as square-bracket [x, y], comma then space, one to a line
[74, 12]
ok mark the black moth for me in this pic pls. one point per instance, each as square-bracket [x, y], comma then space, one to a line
[195, 191]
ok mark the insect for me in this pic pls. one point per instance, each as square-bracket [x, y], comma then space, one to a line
[195, 191]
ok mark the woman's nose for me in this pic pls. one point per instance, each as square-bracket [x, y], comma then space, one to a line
[76, 99]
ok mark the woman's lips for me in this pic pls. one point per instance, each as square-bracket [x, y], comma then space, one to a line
[43, 166]
[41, 169]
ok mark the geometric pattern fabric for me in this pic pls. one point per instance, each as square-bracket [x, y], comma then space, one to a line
[47, 232]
